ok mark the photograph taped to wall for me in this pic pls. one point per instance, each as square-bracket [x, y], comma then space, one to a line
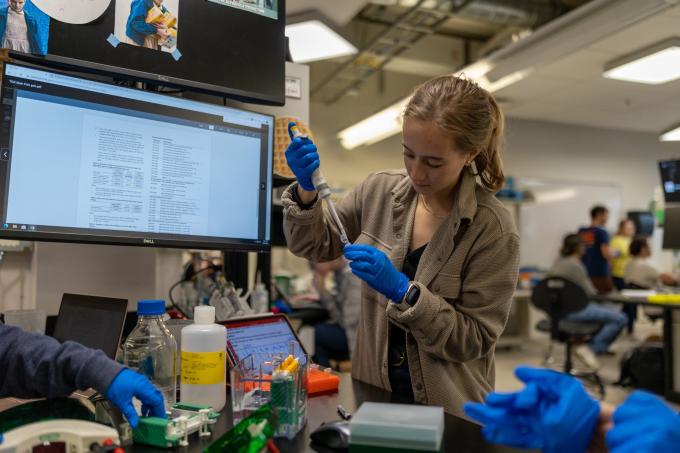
[151, 24]
[267, 8]
[24, 27]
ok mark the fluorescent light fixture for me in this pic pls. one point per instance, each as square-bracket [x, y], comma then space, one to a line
[656, 64]
[377, 127]
[672, 135]
[312, 38]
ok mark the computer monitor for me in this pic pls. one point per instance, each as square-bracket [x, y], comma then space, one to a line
[95, 322]
[228, 47]
[671, 228]
[670, 180]
[87, 161]
[644, 222]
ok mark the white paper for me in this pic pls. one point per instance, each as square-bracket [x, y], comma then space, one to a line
[73, 11]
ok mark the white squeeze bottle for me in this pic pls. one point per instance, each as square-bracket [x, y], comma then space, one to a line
[204, 350]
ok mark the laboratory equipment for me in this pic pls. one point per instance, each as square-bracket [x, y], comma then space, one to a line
[278, 380]
[203, 369]
[60, 436]
[151, 350]
[183, 420]
[249, 435]
[397, 427]
[324, 191]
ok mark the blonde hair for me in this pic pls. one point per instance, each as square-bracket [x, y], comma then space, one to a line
[470, 113]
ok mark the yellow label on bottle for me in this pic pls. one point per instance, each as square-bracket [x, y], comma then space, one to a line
[203, 368]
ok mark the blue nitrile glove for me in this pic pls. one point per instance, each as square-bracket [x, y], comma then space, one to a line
[553, 413]
[375, 268]
[644, 424]
[302, 159]
[128, 384]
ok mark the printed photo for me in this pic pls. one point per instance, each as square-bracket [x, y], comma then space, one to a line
[267, 8]
[23, 27]
[147, 23]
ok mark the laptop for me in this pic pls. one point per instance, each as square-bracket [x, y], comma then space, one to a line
[93, 321]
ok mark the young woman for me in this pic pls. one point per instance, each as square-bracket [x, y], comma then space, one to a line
[437, 252]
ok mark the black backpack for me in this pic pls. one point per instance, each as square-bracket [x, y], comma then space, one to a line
[643, 367]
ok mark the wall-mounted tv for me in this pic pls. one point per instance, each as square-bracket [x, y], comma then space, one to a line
[227, 47]
[670, 180]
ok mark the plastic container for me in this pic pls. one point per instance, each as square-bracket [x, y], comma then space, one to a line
[260, 299]
[151, 350]
[379, 427]
[203, 369]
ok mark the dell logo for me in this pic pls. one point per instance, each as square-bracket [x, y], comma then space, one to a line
[149, 241]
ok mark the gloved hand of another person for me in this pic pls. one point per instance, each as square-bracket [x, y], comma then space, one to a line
[128, 384]
[375, 268]
[302, 158]
[553, 413]
[644, 424]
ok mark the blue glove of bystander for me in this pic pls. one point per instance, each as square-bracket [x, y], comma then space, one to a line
[644, 424]
[375, 268]
[128, 384]
[553, 413]
[302, 158]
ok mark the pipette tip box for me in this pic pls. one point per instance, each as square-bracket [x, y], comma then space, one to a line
[396, 428]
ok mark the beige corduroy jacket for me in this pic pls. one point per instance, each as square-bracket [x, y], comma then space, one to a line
[465, 289]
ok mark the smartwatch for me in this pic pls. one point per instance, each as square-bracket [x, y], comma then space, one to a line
[412, 294]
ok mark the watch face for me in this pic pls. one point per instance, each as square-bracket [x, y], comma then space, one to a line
[73, 11]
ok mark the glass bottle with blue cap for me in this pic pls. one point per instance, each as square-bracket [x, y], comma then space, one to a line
[151, 350]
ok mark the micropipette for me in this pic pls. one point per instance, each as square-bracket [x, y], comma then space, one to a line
[324, 191]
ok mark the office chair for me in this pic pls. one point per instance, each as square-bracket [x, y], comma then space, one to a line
[558, 297]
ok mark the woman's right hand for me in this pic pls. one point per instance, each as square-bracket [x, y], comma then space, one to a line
[162, 31]
[303, 159]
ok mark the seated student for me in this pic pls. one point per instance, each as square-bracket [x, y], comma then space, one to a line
[640, 272]
[335, 339]
[554, 414]
[569, 266]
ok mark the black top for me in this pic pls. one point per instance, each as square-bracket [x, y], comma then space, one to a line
[400, 377]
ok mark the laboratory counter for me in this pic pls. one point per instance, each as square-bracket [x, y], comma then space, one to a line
[460, 436]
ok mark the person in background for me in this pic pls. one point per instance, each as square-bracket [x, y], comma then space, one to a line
[335, 339]
[554, 414]
[18, 28]
[597, 256]
[35, 366]
[437, 252]
[569, 266]
[620, 246]
[141, 33]
[640, 272]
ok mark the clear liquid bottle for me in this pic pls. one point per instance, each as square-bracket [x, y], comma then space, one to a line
[259, 299]
[151, 350]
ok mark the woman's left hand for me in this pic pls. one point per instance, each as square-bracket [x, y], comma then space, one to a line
[375, 268]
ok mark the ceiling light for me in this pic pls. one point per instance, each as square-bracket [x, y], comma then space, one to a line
[377, 127]
[659, 63]
[672, 135]
[312, 37]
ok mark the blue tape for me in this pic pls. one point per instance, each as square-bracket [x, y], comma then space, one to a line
[113, 40]
[176, 54]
